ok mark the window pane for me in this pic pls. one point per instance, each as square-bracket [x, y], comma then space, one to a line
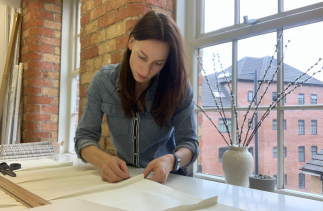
[313, 151]
[255, 9]
[274, 124]
[301, 180]
[303, 52]
[274, 152]
[218, 14]
[301, 129]
[300, 99]
[250, 96]
[206, 99]
[212, 145]
[292, 142]
[313, 99]
[293, 4]
[313, 127]
[253, 59]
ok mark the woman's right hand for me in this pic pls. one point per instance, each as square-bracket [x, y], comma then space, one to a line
[114, 170]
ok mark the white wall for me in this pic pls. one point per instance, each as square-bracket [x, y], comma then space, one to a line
[10, 3]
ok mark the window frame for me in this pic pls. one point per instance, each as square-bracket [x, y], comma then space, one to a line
[68, 74]
[302, 131]
[274, 123]
[312, 99]
[222, 128]
[312, 151]
[189, 19]
[302, 99]
[313, 130]
[301, 158]
[301, 180]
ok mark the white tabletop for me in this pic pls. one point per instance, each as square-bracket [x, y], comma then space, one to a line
[234, 196]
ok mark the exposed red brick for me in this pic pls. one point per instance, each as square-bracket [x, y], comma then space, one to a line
[41, 31]
[32, 40]
[39, 100]
[40, 48]
[160, 3]
[115, 58]
[98, 12]
[83, 67]
[33, 135]
[85, 42]
[90, 53]
[40, 65]
[170, 5]
[130, 24]
[32, 74]
[107, 20]
[38, 82]
[30, 126]
[57, 66]
[30, 56]
[132, 10]
[49, 126]
[35, 6]
[97, 2]
[32, 23]
[121, 42]
[41, 15]
[50, 109]
[32, 90]
[115, 4]
[52, 41]
[83, 90]
[85, 19]
[31, 108]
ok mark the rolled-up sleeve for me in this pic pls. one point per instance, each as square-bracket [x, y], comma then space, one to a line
[184, 125]
[89, 128]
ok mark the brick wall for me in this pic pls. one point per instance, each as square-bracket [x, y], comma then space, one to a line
[105, 28]
[40, 53]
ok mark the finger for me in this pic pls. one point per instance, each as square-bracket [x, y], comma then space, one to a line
[148, 169]
[118, 172]
[123, 167]
[111, 176]
[156, 176]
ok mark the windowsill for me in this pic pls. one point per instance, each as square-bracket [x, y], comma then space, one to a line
[279, 191]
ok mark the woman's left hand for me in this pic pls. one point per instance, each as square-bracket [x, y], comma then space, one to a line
[161, 167]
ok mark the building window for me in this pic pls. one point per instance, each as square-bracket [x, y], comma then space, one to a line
[285, 124]
[222, 127]
[313, 151]
[301, 130]
[274, 124]
[274, 152]
[313, 99]
[221, 152]
[250, 96]
[301, 180]
[285, 151]
[314, 127]
[274, 96]
[300, 99]
[301, 154]
[285, 179]
[250, 124]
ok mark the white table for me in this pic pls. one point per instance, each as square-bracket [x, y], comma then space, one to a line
[234, 196]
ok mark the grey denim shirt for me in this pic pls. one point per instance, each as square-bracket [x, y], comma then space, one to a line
[153, 141]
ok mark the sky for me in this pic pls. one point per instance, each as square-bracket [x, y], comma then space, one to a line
[304, 49]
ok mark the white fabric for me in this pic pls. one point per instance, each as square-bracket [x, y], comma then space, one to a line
[57, 182]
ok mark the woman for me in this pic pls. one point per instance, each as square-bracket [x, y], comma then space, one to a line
[148, 103]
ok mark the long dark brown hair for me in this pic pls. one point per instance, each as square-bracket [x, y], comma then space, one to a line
[172, 79]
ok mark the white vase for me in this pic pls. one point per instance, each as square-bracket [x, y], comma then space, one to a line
[237, 165]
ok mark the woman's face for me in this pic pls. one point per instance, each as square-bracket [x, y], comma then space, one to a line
[147, 58]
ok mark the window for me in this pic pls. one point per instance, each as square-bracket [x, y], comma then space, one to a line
[313, 151]
[300, 99]
[301, 130]
[301, 180]
[285, 124]
[313, 127]
[250, 124]
[250, 96]
[274, 152]
[301, 154]
[285, 179]
[274, 96]
[241, 47]
[274, 124]
[222, 127]
[313, 99]
[221, 152]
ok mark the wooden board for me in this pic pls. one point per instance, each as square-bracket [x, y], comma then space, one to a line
[7, 67]
[21, 195]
